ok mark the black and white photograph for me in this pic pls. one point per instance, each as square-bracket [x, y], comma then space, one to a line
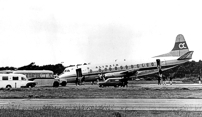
[100, 58]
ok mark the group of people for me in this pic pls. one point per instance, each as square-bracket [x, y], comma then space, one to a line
[163, 78]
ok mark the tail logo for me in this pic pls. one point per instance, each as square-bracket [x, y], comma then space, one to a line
[182, 45]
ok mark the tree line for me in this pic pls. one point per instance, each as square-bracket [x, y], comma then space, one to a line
[57, 68]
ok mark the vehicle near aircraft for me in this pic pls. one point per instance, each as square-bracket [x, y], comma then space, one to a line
[35, 74]
[15, 81]
[42, 77]
[116, 82]
[127, 69]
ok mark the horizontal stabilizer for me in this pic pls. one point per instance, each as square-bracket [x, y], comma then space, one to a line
[187, 55]
[179, 49]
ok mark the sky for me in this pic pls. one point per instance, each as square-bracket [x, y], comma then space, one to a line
[95, 31]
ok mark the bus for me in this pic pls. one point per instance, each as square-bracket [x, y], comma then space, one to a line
[15, 81]
[42, 77]
[6, 71]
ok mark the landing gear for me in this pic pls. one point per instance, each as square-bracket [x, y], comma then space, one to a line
[125, 81]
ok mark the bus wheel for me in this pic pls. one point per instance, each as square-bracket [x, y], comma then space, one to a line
[64, 83]
[8, 86]
[56, 84]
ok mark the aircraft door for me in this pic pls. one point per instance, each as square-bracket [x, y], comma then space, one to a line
[78, 72]
[78, 76]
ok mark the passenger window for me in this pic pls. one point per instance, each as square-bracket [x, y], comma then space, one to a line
[105, 69]
[110, 68]
[15, 78]
[5, 78]
[126, 67]
[115, 68]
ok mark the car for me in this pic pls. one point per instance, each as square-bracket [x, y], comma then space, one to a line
[116, 82]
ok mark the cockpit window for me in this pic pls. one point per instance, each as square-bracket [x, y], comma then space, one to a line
[67, 70]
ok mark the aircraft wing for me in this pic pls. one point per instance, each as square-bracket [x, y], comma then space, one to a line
[153, 71]
[132, 71]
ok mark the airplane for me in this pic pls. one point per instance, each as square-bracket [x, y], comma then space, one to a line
[127, 69]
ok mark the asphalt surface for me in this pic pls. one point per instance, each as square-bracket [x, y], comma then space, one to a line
[114, 104]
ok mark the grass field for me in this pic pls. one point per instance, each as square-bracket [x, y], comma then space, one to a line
[89, 91]
[48, 111]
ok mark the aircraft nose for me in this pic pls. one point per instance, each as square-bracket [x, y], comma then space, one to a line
[62, 76]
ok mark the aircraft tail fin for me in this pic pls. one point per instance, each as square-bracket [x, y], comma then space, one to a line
[179, 49]
[187, 55]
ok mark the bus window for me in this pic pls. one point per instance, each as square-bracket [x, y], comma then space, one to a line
[15, 78]
[22, 78]
[47, 75]
[37, 75]
[42, 75]
[5, 78]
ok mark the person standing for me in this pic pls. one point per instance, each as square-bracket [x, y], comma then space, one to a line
[172, 75]
[199, 79]
[159, 79]
[126, 83]
[77, 80]
[171, 80]
[164, 80]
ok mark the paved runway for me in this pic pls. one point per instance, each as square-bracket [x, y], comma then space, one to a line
[114, 104]
[198, 86]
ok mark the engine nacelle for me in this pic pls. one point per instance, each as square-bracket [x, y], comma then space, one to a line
[114, 74]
